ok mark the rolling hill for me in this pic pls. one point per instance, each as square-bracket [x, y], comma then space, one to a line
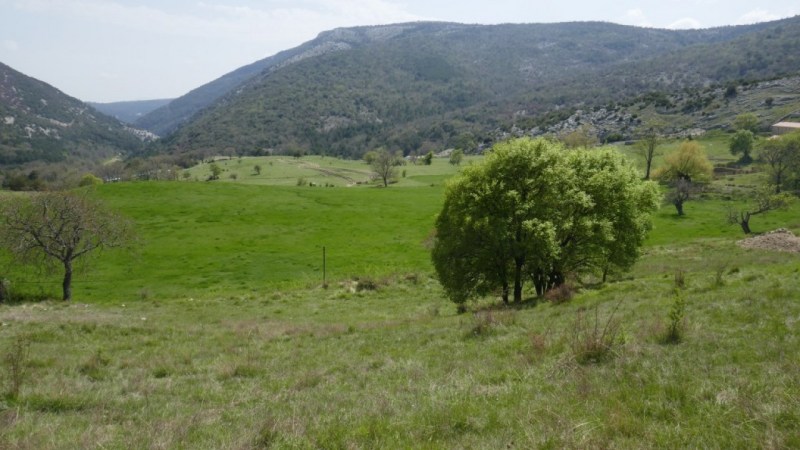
[421, 86]
[40, 123]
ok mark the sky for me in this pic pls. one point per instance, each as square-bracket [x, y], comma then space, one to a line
[118, 50]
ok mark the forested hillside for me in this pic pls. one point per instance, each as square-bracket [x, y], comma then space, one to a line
[424, 86]
[40, 123]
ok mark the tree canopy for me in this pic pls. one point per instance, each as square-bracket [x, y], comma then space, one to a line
[782, 158]
[742, 143]
[684, 170]
[747, 121]
[534, 210]
[689, 162]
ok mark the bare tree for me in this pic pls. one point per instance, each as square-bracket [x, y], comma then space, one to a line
[385, 165]
[57, 228]
[647, 147]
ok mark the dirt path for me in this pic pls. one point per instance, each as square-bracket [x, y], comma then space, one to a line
[337, 173]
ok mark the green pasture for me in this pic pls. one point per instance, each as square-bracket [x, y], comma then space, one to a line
[215, 331]
[393, 366]
[320, 171]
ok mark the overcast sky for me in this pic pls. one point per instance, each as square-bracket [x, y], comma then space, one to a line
[117, 50]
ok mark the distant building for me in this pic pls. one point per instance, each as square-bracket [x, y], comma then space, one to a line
[785, 127]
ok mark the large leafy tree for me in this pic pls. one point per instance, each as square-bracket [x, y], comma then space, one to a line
[58, 228]
[537, 211]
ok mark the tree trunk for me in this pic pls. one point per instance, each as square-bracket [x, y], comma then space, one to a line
[679, 207]
[67, 284]
[518, 262]
[647, 169]
[505, 291]
[746, 226]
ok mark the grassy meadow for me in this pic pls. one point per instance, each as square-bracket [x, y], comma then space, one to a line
[216, 332]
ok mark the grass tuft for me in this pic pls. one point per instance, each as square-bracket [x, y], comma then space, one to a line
[595, 340]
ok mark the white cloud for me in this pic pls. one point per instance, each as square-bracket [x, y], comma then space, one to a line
[756, 16]
[636, 17]
[10, 45]
[227, 21]
[685, 23]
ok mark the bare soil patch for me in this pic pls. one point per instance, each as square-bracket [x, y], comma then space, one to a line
[781, 240]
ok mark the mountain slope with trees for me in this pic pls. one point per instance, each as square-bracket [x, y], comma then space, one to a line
[40, 123]
[422, 86]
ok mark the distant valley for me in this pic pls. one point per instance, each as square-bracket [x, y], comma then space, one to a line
[129, 112]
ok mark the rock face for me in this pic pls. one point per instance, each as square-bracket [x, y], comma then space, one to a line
[781, 240]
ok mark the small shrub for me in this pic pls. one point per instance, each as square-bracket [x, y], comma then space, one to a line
[161, 372]
[233, 176]
[461, 308]
[680, 279]
[302, 181]
[366, 284]
[16, 361]
[719, 275]
[94, 367]
[560, 294]
[592, 340]
[538, 342]
[486, 322]
[675, 329]
[482, 325]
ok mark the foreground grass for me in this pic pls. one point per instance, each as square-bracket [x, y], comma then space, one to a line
[395, 367]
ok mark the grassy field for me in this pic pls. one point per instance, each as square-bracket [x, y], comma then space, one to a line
[217, 333]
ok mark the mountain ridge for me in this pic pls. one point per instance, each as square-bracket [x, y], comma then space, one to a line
[422, 85]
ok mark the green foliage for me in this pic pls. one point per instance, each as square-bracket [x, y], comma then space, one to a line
[427, 159]
[385, 163]
[535, 211]
[689, 162]
[583, 137]
[675, 327]
[456, 157]
[16, 360]
[595, 341]
[747, 122]
[215, 170]
[742, 143]
[782, 158]
[89, 180]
